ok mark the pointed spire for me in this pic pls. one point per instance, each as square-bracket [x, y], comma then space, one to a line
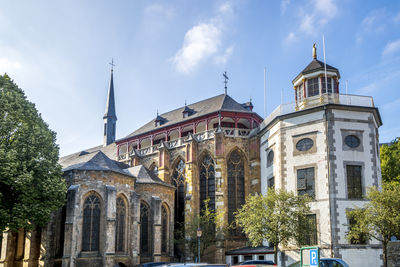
[314, 51]
[110, 118]
[110, 105]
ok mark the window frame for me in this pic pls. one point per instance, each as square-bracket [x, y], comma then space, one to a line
[351, 184]
[307, 171]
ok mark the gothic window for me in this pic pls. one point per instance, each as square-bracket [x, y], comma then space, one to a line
[154, 168]
[310, 232]
[306, 182]
[91, 223]
[178, 180]
[270, 158]
[164, 229]
[354, 185]
[235, 184]
[144, 229]
[120, 225]
[207, 182]
[313, 87]
[304, 144]
[271, 182]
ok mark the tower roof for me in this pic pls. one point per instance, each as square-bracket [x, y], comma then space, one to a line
[110, 105]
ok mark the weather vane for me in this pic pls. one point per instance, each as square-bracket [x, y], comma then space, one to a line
[226, 81]
[112, 64]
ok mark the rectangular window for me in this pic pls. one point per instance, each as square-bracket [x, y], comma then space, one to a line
[248, 257]
[306, 182]
[310, 231]
[313, 87]
[271, 182]
[235, 259]
[329, 80]
[361, 240]
[261, 257]
[300, 92]
[354, 186]
[105, 129]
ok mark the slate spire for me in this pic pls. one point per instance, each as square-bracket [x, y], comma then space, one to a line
[110, 118]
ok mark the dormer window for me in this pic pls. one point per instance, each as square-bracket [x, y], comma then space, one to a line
[185, 114]
[158, 123]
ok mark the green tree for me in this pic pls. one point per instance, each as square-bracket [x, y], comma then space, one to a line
[379, 218]
[31, 183]
[279, 217]
[209, 222]
[390, 161]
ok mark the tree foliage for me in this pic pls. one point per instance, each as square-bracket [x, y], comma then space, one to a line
[210, 224]
[279, 217]
[31, 183]
[379, 218]
[390, 161]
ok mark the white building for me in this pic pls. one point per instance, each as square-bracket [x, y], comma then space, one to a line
[325, 144]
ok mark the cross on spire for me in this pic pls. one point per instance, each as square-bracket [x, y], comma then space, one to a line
[225, 81]
[112, 64]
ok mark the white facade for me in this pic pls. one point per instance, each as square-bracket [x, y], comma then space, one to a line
[327, 125]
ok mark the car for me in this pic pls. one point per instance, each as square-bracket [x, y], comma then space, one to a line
[257, 262]
[152, 264]
[327, 262]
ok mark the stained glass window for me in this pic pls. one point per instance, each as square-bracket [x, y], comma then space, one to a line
[235, 184]
[120, 225]
[207, 182]
[91, 223]
[178, 180]
[164, 229]
[144, 229]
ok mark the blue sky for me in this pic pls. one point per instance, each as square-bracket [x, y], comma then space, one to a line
[167, 52]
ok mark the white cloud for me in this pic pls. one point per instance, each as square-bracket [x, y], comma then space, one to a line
[290, 38]
[159, 10]
[391, 47]
[284, 5]
[200, 42]
[396, 19]
[204, 41]
[307, 24]
[8, 65]
[222, 59]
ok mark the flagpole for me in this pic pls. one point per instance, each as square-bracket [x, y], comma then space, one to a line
[326, 78]
[265, 93]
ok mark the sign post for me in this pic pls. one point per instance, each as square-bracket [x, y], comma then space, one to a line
[309, 257]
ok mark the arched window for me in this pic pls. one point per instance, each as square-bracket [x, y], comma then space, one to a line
[178, 180]
[235, 184]
[144, 229]
[207, 182]
[270, 158]
[154, 168]
[164, 229]
[91, 223]
[120, 225]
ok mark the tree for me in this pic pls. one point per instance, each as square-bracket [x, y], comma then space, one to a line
[209, 222]
[31, 183]
[379, 218]
[279, 217]
[390, 161]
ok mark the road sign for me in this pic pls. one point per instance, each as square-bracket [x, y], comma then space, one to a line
[309, 257]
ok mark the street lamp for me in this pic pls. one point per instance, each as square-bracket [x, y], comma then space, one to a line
[199, 232]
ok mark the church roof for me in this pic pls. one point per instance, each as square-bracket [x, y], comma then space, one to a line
[144, 176]
[96, 161]
[214, 104]
[316, 65]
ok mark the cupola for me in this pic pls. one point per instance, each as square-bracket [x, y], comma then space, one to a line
[310, 85]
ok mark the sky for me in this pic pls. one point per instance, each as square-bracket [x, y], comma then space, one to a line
[169, 52]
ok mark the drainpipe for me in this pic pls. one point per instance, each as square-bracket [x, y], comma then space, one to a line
[330, 182]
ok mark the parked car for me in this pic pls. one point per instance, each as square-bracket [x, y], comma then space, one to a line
[257, 262]
[152, 264]
[326, 263]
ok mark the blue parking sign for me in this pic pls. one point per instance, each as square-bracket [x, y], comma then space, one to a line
[314, 257]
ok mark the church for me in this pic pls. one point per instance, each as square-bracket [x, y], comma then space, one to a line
[126, 198]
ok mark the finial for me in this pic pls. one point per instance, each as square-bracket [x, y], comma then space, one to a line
[112, 64]
[226, 81]
[250, 99]
[185, 103]
[314, 51]
[157, 112]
